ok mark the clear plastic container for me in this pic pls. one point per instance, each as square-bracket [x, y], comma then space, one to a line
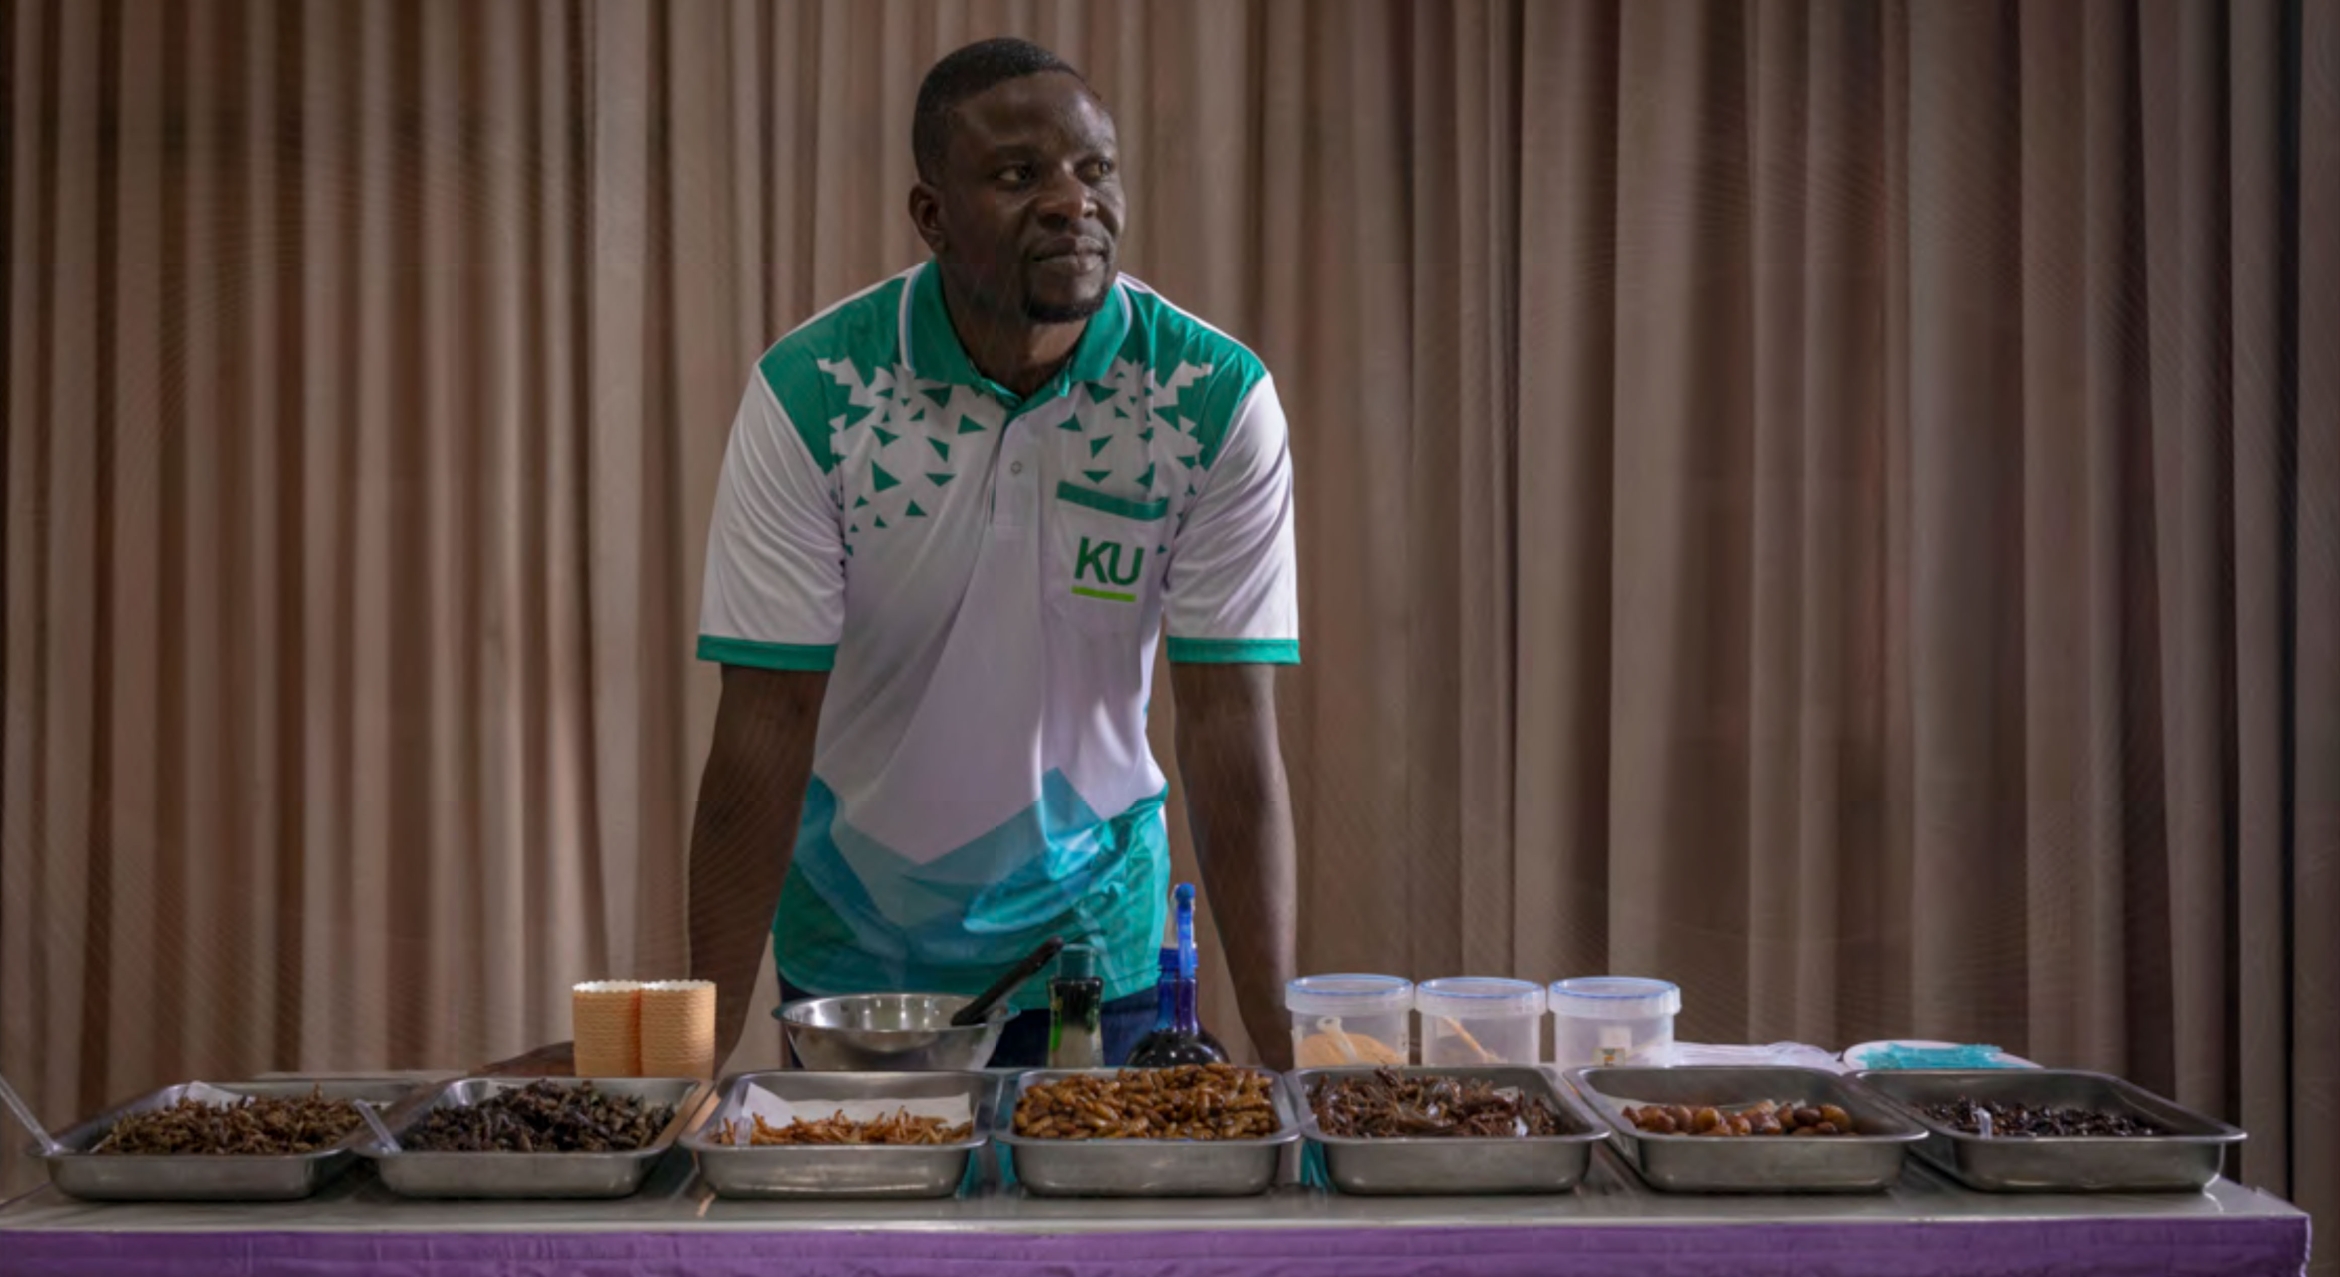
[1481, 1020]
[1342, 1020]
[1606, 1020]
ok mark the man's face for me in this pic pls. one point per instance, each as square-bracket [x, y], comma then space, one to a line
[1026, 211]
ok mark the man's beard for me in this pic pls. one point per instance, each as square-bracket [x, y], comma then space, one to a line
[1041, 313]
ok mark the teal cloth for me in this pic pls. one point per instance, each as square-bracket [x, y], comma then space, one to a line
[1938, 1057]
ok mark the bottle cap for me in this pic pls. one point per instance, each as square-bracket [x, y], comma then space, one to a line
[1349, 994]
[1077, 962]
[1170, 967]
[1615, 998]
[1479, 998]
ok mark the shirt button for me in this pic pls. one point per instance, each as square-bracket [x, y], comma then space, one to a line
[1015, 467]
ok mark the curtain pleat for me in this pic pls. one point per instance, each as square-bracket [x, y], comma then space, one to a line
[1564, 456]
[2309, 457]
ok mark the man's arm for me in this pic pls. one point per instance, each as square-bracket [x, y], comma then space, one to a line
[750, 797]
[1240, 811]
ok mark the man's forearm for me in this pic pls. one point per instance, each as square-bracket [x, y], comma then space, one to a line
[1249, 873]
[1240, 811]
[734, 890]
[743, 830]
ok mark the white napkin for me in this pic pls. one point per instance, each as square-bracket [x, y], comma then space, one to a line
[1799, 1054]
[758, 1101]
[206, 1093]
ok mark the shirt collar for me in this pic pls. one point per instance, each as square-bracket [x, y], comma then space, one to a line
[936, 355]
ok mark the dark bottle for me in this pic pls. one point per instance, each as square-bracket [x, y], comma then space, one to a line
[1178, 1036]
[1076, 1000]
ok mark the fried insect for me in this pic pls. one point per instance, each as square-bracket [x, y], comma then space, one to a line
[542, 1117]
[896, 1128]
[2010, 1119]
[1388, 1105]
[1764, 1117]
[254, 1126]
[1189, 1102]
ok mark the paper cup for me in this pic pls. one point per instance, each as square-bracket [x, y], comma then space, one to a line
[605, 1019]
[678, 1029]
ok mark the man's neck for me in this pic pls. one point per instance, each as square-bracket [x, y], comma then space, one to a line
[1014, 352]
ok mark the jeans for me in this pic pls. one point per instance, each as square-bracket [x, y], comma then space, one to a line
[1024, 1043]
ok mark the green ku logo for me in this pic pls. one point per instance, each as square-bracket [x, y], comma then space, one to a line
[1101, 561]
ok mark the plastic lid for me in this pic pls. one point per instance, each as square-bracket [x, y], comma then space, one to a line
[1473, 997]
[1349, 995]
[1077, 962]
[1615, 997]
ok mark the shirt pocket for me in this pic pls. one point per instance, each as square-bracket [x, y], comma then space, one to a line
[1109, 553]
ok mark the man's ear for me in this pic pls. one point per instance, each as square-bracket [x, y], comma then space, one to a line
[926, 215]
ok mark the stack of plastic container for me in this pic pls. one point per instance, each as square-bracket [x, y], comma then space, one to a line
[1340, 1020]
[1356, 1019]
[1481, 1020]
[1608, 1020]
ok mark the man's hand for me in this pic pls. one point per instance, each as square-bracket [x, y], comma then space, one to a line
[556, 1060]
[1240, 811]
[745, 829]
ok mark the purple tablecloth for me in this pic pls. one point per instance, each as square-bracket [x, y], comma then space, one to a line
[2258, 1247]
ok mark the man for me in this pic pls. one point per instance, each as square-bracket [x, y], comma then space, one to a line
[955, 512]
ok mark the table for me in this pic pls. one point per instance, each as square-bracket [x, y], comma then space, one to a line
[1611, 1224]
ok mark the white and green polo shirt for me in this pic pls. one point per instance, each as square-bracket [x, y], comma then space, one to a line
[985, 576]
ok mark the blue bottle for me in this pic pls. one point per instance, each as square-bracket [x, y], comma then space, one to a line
[1178, 1036]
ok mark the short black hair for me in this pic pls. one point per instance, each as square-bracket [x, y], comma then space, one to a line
[961, 75]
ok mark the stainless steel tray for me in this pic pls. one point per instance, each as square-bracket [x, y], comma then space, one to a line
[1144, 1168]
[835, 1170]
[526, 1175]
[1443, 1167]
[1869, 1162]
[2186, 1160]
[212, 1177]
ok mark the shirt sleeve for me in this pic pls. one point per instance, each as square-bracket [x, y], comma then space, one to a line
[774, 589]
[1233, 590]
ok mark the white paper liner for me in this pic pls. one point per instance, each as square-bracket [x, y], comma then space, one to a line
[1795, 1054]
[758, 1101]
[206, 1093]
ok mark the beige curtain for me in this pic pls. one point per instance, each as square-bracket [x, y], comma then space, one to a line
[1833, 503]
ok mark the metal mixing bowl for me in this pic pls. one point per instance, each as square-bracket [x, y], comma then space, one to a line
[889, 1032]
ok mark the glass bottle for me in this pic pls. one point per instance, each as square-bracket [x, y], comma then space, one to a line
[1178, 1036]
[1076, 1003]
